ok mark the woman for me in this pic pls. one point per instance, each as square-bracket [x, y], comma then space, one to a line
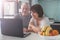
[38, 20]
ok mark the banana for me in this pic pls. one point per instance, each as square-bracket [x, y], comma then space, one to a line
[44, 28]
[44, 34]
[48, 30]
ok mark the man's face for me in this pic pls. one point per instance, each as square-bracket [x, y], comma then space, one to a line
[25, 9]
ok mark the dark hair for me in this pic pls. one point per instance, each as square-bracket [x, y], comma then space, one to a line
[37, 8]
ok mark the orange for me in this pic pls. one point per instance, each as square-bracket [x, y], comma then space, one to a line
[55, 32]
[50, 34]
[41, 33]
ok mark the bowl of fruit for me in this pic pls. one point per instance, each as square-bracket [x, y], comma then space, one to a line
[48, 33]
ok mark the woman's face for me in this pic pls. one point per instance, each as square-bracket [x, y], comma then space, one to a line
[34, 14]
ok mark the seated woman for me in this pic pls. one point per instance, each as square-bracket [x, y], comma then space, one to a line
[38, 20]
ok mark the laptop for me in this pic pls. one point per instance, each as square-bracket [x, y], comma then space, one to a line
[13, 27]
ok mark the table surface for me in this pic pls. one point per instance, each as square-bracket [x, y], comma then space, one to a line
[33, 36]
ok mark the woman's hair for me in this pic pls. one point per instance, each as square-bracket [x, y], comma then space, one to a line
[37, 8]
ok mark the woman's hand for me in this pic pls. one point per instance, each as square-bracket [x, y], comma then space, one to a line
[36, 29]
[32, 28]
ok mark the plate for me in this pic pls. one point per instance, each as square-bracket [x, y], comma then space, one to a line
[49, 37]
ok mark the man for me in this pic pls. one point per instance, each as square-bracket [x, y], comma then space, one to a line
[25, 15]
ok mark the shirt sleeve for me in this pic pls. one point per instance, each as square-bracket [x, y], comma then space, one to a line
[45, 22]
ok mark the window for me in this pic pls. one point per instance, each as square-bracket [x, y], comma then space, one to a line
[10, 8]
[0, 8]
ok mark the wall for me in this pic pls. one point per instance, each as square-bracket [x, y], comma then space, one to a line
[51, 8]
[33, 1]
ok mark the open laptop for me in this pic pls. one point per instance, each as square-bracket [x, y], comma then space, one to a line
[13, 27]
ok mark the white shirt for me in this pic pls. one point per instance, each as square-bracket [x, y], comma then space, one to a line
[43, 22]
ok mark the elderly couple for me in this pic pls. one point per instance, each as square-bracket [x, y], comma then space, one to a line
[34, 21]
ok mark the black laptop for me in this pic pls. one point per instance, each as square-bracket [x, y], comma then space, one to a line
[13, 27]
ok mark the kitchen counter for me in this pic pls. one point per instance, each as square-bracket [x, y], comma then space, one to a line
[55, 24]
[33, 36]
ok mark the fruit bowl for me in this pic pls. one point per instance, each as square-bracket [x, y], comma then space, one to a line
[57, 37]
